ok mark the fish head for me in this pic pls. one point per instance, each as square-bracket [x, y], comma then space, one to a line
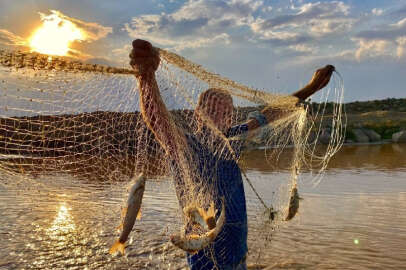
[185, 244]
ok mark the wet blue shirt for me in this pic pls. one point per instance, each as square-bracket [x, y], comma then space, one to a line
[230, 246]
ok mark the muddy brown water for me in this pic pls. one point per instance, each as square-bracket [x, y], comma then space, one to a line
[353, 218]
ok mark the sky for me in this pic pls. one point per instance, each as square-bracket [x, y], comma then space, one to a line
[272, 45]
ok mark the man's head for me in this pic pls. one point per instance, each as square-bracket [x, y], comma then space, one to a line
[217, 105]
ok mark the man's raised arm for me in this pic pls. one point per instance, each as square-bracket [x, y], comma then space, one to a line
[145, 61]
[319, 80]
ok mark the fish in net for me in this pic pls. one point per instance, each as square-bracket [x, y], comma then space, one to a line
[174, 119]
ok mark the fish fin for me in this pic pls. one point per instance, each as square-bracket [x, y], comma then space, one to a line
[124, 212]
[211, 211]
[201, 212]
[139, 215]
[117, 247]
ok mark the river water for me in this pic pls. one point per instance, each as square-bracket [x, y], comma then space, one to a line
[352, 218]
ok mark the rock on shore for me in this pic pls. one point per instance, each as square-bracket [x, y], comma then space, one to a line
[399, 137]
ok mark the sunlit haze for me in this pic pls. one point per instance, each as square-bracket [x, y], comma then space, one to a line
[54, 36]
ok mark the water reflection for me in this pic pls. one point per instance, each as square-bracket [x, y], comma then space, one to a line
[379, 157]
[357, 213]
[63, 224]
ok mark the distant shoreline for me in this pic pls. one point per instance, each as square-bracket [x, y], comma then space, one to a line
[367, 122]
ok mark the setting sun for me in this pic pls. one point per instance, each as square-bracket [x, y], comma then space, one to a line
[55, 35]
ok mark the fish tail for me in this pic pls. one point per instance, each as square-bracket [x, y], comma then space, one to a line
[117, 247]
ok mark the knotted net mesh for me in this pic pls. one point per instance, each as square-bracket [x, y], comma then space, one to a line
[72, 135]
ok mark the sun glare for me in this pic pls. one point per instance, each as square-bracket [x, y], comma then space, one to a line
[55, 35]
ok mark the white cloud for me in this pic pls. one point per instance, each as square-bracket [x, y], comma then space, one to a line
[122, 53]
[304, 48]
[309, 25]
[195, 24]
[92, 30]
[322, 18]
[400, 24]
[382, 41]
[282, 38]
[200, 23]
[325, 27]
[372, 48]
[203, 42]
[401, 48]
[377, 11]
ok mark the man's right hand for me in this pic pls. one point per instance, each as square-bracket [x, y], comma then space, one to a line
[144, 58]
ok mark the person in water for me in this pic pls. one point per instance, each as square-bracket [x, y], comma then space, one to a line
[193, 156]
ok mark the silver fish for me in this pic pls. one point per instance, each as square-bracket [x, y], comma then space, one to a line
[130, 213]
[192, 243]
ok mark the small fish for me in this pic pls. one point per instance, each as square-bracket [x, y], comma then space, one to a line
[130, 213]
[193, 243]
[293, 204]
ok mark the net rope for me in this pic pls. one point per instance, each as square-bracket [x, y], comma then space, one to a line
[63, 119]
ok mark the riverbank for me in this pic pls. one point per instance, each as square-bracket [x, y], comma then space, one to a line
[371, 127]
[367, 122]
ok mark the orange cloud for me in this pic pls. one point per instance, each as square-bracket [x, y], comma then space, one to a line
[9, 39]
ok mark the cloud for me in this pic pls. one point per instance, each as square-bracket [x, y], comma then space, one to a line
[267, 9]
[196, 24]
[371, 48]
[342, 57]
[306, 28]
[400, 12]
[200, 23]
[401, 48]
[9, 39]
[92, 30]
[283, 38]
[383, 40]
[323, 18]
[377, 11]
[123, 52]
[303, 48]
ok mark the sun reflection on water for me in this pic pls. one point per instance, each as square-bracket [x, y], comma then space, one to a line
[63, 223]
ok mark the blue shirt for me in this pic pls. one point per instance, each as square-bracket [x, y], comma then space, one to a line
[230, 246]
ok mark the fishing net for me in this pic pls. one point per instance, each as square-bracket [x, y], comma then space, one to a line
[72, 135]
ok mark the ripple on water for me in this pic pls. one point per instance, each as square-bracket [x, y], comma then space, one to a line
[351, 220]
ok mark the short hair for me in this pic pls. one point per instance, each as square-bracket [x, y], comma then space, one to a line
[209, 94]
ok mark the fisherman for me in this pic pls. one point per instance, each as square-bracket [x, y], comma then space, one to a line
[229, 249]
